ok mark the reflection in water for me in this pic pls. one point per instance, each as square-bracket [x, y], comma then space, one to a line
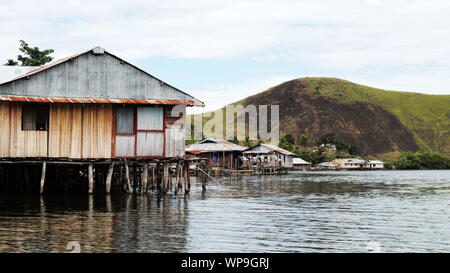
[403, 211]
[128, 223]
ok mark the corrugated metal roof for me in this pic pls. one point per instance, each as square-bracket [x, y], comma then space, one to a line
[298, 160]
[375, 162]
[92, 75]
[213, 145]
[329, 164]
[96, 100]
[269, 147]
[54, 63]
[8, 73]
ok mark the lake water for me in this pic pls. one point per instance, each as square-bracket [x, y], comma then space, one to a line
[388, 211]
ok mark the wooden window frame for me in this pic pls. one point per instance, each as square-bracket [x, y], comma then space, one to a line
[46, 116]
[136, 131]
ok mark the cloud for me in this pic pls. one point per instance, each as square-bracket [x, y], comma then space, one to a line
[401, 42]
[222, 95]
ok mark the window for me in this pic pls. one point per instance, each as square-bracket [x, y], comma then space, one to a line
[125, 120]
[34, 117]
[140, 131]
[150, 118]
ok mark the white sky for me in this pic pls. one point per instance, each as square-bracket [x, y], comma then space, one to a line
[397, 45]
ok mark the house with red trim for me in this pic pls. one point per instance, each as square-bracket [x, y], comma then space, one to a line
[92, 105]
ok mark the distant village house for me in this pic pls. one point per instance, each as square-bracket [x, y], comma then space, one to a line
[299, 163]
[218, 152]
[269, 156]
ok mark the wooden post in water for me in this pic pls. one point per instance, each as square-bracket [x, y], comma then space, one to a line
[188, 175]
[154, 177]
[180, 186]
[44, 168]
[91, 178]
[185, 170]
[127, 176]
[177, 177]
[203, 177]
[144, 177]
[165, 187]
[159, 175]
[109, 177]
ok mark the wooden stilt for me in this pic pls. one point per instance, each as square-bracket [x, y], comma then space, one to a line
[185, 170]
[177, 178]
[135, 177]
[154, 177]
[203, 178]
[181, 176]
[44, 168]
[144, 177]
[127, 176]
[109, 177]
[166, 178]
[91, 178]
[188, 176]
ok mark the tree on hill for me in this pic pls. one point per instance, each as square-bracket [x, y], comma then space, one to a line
[303, 140]
[287, 142]
[330, 138]
[32, 56]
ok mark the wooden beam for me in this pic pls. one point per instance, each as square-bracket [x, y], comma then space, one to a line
[91, 178]
[109, 177]
[44, 168]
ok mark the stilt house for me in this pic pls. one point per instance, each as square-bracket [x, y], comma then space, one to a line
[92, 105]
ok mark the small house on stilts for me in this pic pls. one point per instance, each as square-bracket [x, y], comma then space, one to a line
[218, 152]
[92, 120]
[268, 158]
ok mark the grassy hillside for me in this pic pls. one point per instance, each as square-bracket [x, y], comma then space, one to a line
[316, 106]
[427, 116]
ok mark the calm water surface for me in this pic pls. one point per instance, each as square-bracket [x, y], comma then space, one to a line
[401, 211]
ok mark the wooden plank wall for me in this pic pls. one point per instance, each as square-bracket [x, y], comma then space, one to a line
[75, 131]
[13, 141]
[80, 131]
[175, 133]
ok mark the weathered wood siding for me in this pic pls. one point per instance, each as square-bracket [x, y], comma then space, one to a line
[159, 131]
[13, 141]
[150, 144]
[125, 146]
[175, 142]
[150, 118]
[80, 131]
[175, 131]
[86, 131]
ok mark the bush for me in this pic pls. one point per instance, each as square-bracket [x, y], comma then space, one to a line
[419, 160]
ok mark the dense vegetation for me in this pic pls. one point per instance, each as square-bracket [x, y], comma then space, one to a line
[323, 153]
[421, 160]
[328, 148]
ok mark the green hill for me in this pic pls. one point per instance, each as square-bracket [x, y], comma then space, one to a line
[427, 116]
[376, 121]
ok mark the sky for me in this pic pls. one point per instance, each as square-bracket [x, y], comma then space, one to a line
[224, 51]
